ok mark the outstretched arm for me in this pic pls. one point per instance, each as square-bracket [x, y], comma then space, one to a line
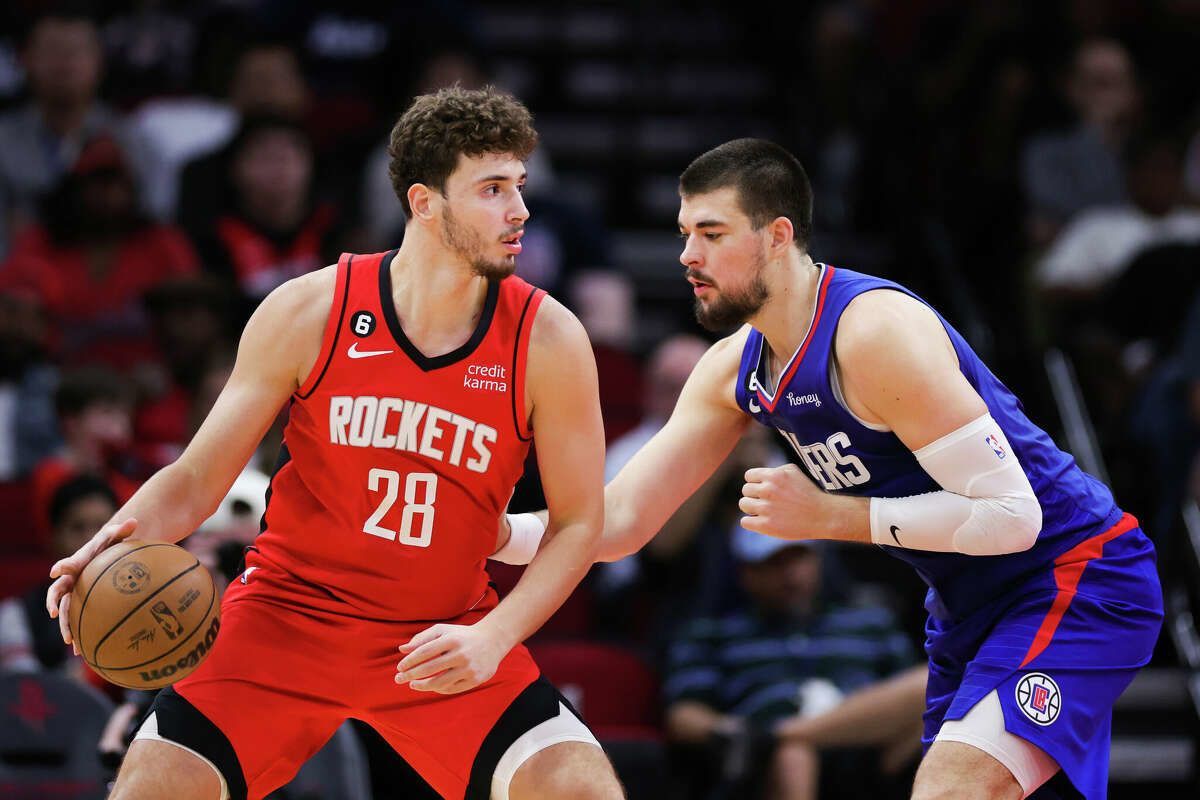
[702, 430]
[700, 434]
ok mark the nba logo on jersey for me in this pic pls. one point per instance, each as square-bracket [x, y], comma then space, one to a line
[1039, 698]
[997, 448]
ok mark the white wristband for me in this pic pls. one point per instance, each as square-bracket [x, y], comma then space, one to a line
[523, 541]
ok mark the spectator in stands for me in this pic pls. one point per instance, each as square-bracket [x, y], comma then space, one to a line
[40, 141]
[1117, 281]
[190, 317]
[732, 681]
[1165, 420]
[94, 409]
[605, 302]
[94, 257]
[29, 640]
[28, 430]
[1100, 243]
[266, 78]
[1065, 173]
[274, 227]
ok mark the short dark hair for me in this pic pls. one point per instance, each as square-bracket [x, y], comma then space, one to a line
[63, 12]
[86, 386]
[770, 183]
[425, 143]
[254, 124]
[72, 490]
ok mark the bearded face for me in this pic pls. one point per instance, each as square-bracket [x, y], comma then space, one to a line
[469, 245]
[735, 305]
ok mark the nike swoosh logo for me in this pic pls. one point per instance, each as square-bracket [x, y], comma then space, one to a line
[354, 352]
[892, 530]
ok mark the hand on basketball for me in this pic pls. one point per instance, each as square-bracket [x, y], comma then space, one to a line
[66, 571]
[781, 502]
[449, 659]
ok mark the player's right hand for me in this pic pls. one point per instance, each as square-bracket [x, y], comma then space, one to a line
[66, 572]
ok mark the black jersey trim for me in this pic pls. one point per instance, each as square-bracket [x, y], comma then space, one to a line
[284, 458]
[516, 352]
[181, 722]
[423, 361]
[336, 333]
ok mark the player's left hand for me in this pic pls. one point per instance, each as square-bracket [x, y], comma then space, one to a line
[782, 502]
[449, 659]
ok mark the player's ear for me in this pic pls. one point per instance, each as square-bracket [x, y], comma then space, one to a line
[782, 234]
[421, 201]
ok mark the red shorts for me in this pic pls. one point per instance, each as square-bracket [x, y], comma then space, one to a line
[282, 677]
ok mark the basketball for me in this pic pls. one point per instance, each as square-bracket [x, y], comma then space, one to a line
[144, 614]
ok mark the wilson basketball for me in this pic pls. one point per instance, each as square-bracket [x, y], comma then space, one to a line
[144, 614]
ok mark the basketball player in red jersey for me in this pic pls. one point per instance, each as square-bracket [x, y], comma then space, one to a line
[417, 380]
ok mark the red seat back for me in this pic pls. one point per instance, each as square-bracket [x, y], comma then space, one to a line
[611, 687]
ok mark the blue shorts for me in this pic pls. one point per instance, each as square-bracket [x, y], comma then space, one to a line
[1058, 650]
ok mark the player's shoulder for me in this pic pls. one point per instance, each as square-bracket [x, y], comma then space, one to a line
[556, 327]
[883, 318]
[304, 296]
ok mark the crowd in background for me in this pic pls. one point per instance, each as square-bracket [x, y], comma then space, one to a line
[1031, 168]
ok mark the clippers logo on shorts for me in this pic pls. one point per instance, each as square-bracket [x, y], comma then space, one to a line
[1039, 698]
[997, 448]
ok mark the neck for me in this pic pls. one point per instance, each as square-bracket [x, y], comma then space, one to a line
[785, 317]
[277, 214]
[84, 455]
[63, 118]
[438, 296]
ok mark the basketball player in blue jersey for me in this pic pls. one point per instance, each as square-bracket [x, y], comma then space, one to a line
[1043, 595]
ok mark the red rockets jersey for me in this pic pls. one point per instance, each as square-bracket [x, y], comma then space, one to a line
[395, 467]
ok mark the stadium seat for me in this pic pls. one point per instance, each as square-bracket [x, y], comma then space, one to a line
[617, 694]
[49, 728]
[614, 690]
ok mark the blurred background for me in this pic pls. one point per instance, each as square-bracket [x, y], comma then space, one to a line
[1030, 168]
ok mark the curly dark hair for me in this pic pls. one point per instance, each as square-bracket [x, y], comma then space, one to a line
[427, 140]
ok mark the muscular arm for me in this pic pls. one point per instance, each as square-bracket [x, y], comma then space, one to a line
[702, 430]
[670, 468]
[278, 348]
[568, 432]
[899, 369]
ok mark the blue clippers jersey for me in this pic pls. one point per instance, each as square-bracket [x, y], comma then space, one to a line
[842, 454]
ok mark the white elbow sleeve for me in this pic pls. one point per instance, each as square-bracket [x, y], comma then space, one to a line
[988, 507]
[523, 541]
